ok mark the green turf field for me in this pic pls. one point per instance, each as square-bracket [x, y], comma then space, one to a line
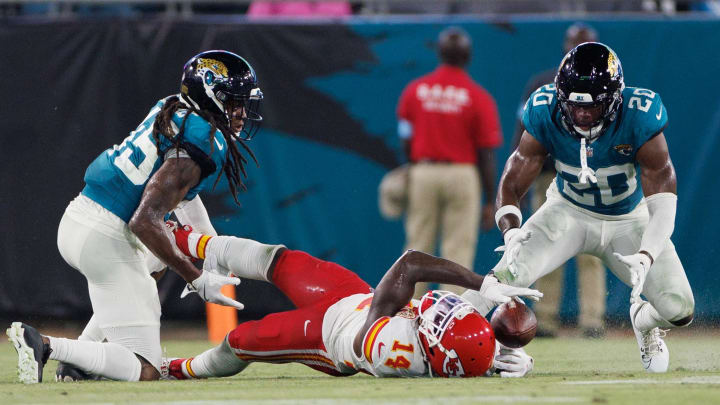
[567, 371]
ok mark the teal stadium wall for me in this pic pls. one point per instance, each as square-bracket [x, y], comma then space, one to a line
[330, 136]
[340, 220]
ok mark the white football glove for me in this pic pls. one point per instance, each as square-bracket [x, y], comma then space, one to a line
[638, 265]
[500, 293]
[514, 239]
[209, 283]
[512, 363]
[493, 293]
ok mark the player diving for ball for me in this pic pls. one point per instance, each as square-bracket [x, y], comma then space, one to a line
[609, 149]
[114, 231]
[342, 326]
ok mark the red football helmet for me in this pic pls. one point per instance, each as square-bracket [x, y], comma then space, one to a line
[456, 340]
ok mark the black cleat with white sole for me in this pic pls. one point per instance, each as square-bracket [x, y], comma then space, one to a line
[67, 373]
[32, 352]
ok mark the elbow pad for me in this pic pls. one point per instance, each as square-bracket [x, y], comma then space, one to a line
[662, 208]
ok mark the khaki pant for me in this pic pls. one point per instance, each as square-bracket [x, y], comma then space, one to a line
[443, 200]
[592, 292]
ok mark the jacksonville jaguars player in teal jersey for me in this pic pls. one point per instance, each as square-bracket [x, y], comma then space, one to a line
[614, 195]
[114, 232]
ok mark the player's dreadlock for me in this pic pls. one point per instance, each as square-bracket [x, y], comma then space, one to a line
[234, 166]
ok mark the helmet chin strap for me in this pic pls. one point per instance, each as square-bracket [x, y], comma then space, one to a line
[586, 173]
[588, 133]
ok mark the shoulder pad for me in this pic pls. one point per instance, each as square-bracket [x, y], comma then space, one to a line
[537, 113]
[645, 115]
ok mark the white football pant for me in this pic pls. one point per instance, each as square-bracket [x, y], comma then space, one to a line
[560, 231]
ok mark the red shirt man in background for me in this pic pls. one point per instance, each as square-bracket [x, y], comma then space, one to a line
[450, 126]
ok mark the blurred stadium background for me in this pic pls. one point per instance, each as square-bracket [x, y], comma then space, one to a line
[77, 76]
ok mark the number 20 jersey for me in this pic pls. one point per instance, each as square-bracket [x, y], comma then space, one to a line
[612, 156]
[116, 179]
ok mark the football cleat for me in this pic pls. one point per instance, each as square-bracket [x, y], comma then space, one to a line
[171, 369]
[32, 352]
[68, 373]
[654, 353]
[179, 235]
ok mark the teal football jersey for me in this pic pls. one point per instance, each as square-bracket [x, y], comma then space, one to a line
[612, 155]
[116, 179]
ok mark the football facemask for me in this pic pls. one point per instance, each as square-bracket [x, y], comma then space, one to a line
[456, 340]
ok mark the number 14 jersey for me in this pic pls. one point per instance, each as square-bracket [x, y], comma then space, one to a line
[116, 179]
[612, 156]
[390, 348]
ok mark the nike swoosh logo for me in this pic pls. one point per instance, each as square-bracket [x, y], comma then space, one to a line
[220, 147]
[380, 346]
[659, 114]
[307, 322]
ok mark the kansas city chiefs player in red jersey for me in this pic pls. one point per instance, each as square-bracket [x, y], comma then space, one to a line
[342, 326]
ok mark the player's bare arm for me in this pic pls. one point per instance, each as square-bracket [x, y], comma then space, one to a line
[162, 194]
[521, 169]
[658, 172]
[398, 285]
[659, 185]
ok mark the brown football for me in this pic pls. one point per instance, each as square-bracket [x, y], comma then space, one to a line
[514, 324]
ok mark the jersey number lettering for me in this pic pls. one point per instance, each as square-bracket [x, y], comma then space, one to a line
[643, 104]
[140, 173]
[542, 98]
[400, 361]
[615, 183]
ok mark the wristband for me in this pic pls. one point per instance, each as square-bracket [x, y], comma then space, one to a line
[505, 210]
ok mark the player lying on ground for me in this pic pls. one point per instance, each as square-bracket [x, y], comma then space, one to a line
[609, 150]
[342, 326]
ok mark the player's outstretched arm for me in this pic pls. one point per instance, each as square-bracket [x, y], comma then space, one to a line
[398, 285]
[659, 185]
[521, 169]
[165, 189]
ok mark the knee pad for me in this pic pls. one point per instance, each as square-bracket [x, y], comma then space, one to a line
[676, 308]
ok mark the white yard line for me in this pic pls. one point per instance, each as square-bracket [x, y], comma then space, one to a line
[709, 379]
[505, 399]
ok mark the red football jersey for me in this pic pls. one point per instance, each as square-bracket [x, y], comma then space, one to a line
[451, 116]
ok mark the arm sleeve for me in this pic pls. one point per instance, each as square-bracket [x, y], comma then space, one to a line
[194, 213]
[662, 208]
[489, 133]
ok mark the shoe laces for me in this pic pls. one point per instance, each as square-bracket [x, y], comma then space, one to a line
[651, 341]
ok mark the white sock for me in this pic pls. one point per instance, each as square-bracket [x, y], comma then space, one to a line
[92, 332]
[647, 317]
[220, 361]
[243, 257]
[108, 360]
